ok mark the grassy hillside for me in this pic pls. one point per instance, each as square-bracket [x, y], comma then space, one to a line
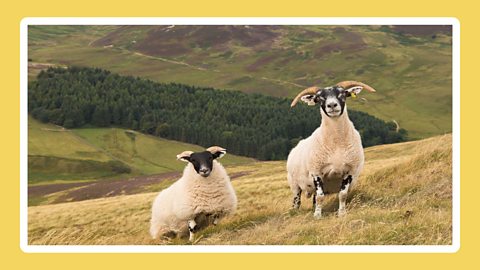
[145, 153]
[403, 197]
[62, 155]
[409, 66]
[56, 154]
[52, 140]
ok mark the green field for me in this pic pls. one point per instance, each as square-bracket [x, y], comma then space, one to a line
[51, 140]
[411, 72]
[62, 155]
[145, 153]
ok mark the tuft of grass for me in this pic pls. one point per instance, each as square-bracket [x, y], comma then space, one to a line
[401, 198]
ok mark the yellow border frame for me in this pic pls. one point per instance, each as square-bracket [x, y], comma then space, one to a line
[11, 16]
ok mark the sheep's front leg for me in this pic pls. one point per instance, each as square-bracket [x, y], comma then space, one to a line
[191, 228]
[318, 197]
[297, 195]
[342, 195]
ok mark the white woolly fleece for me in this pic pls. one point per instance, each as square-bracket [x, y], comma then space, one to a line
[333, 149]
[192, 194]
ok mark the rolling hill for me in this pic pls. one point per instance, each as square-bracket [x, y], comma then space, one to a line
[410, 66]
[58, 155]
[404, 196]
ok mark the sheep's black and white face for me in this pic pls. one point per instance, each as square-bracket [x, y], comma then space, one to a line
[331, 99]
[201, 161]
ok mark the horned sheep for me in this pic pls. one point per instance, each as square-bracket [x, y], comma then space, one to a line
[202, 196]
[330, 160]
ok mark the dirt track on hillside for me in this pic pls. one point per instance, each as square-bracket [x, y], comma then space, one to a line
[105, 188]
[100, 188]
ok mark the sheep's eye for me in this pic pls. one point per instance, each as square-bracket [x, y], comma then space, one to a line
[320, 99]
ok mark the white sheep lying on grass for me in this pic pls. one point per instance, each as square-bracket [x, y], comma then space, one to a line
[202, 196]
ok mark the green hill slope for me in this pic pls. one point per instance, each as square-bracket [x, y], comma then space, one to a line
[404, 196]
[145, 153]
[58, 155]
[409, 66]
[55, 153]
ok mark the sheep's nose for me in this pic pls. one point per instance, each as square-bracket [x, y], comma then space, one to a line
[332, 105]
[204, 170]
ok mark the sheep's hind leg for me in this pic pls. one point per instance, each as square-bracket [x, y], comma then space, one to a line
[191, 228]
[318, 197]
[216, 219]
[342, 195]
[297, 198]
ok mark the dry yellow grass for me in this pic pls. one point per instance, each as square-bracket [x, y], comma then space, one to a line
[403, 197]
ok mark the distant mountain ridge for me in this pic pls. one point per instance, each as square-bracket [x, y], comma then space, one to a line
[410, 66]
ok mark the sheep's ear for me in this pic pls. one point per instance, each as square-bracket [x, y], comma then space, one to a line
[309, 99]
[219, 154]
[217, 151]
[185, 156]
[353, 91]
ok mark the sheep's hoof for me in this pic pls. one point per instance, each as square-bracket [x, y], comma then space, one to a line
[342, 212]
[317, 215]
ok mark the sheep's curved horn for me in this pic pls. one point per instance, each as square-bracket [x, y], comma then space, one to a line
[311, 90]
[184, 154]
[348, 84]
[215, 149]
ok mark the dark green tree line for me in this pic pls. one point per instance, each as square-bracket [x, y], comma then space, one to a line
[253, 125]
